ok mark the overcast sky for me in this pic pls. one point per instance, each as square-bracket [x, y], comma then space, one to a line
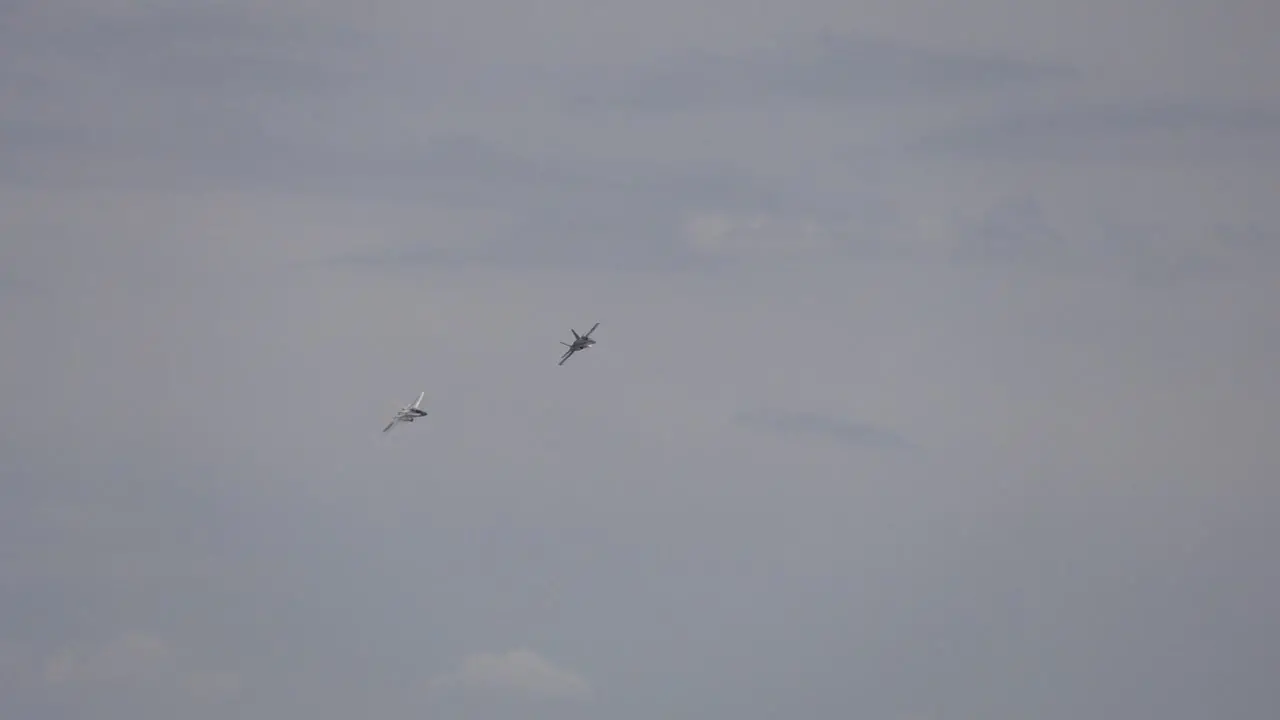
[936, 375]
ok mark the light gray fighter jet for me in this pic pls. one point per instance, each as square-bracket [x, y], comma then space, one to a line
[409, 413]
[580, 342]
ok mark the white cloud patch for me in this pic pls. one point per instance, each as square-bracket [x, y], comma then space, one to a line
[519, 672]
[813, 424]
[214, 213]
[135, 660]
[754, 235]
[128, 658]
[823, 69]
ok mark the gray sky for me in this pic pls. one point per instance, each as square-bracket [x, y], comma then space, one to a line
[935, 377]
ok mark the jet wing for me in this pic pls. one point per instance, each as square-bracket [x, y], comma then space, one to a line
[566, 355]
[391, 424]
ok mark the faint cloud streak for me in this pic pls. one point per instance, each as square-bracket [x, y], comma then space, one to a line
[827, 69]
[1134, 131]
[817, 425]
[519, 672]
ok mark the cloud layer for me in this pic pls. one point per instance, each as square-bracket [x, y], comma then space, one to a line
[935, 374]
[522, 672]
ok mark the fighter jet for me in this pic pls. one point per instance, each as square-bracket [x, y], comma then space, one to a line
[580, 342]
[409, 413]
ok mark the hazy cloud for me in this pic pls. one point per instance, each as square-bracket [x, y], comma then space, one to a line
[562, 211]
[1016, 231]
[123, 659]
[1013, 230]
[1120, 130]
[825, 69]
[817, 425]
[1037, 240]
[131, 667]
[521, 671]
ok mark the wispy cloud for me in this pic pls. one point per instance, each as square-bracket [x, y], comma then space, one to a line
[1156, 131]
[823, 70]
[820, 426]
[565, 210]
[192, 406]
[520, 672]
[137, 661]
[1017, 230]
[1013, 230]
